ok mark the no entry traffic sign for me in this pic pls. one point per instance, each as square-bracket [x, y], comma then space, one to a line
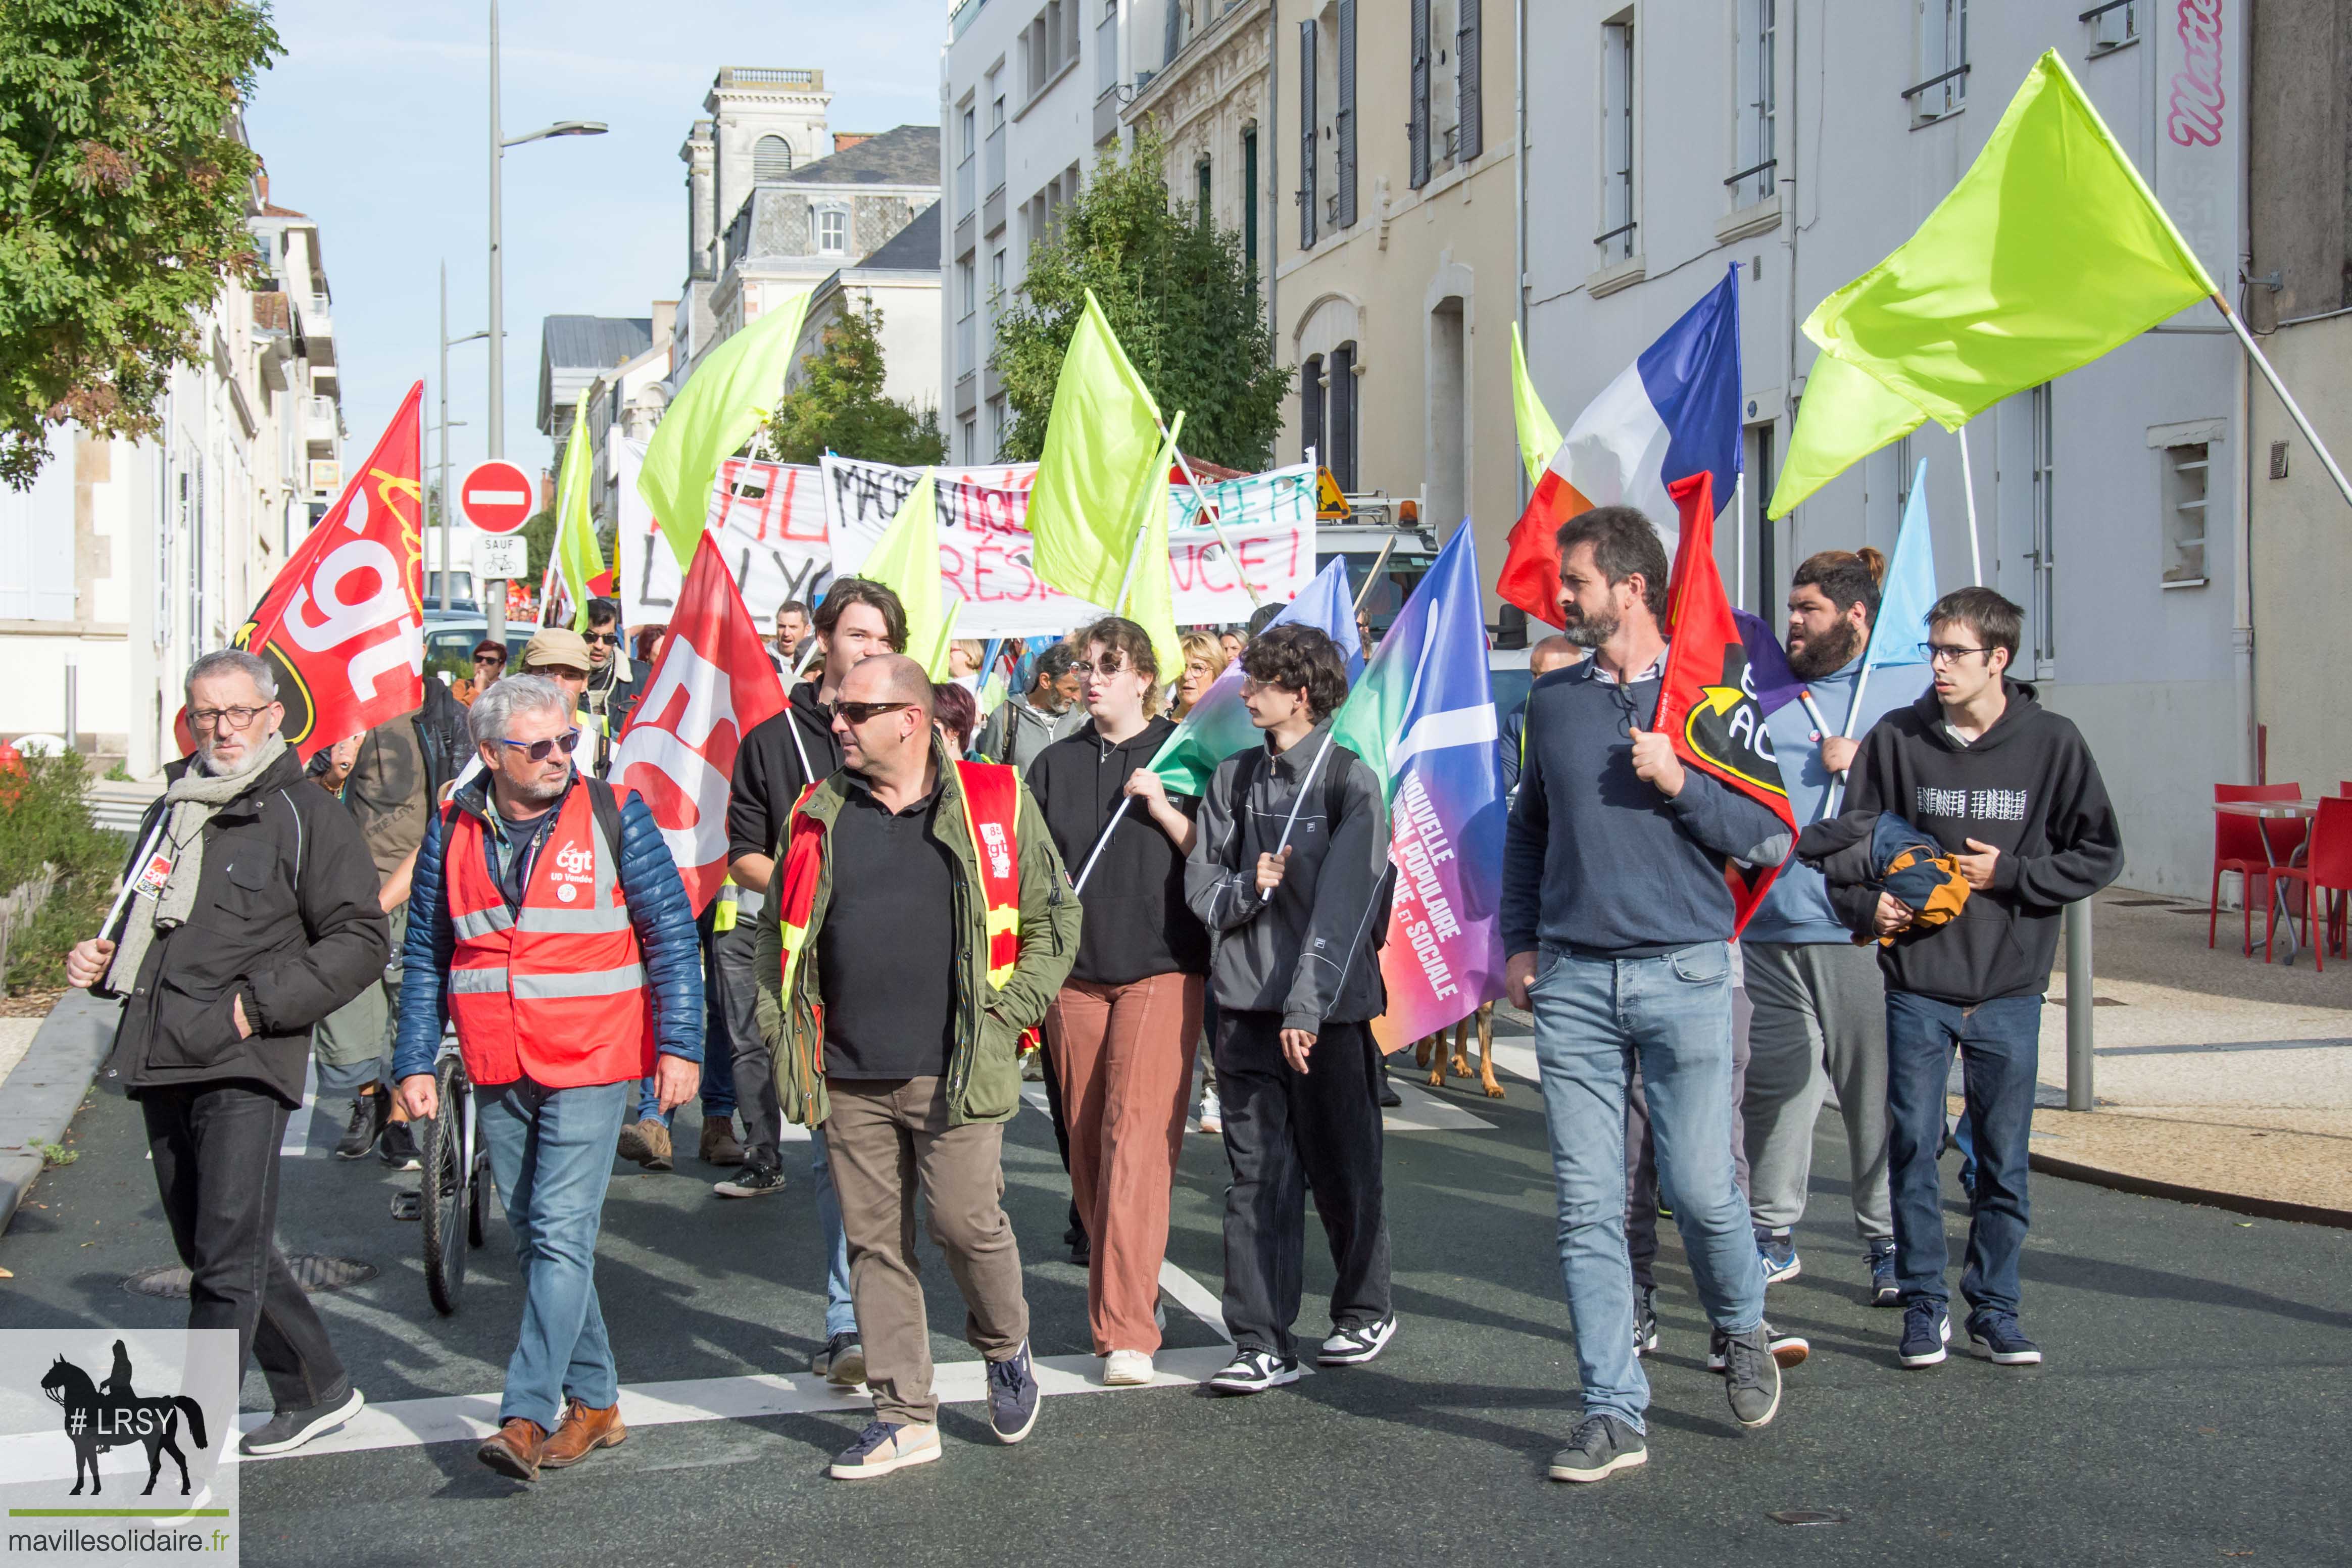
[496, 497]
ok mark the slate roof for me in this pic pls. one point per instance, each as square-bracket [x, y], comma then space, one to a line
[907, 155]
[914, 249]
[595, 342]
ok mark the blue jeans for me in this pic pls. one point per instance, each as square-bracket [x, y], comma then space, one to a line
[2000, 1045]
[718, 1090]
[1595, 1020]
[840, 1310]
[552, 1154]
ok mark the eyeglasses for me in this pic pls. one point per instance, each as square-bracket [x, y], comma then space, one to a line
[1946, 653]
[209, 718]
[1108, 668]
[610, 639]
[859, 712]
[540, 751]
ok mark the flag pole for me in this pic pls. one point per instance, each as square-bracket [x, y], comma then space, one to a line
[2294, 409]
[1208, 511]
[1158, 481]
[1096, 853]
[1304, 785]
[1388, 548]
[1968, 489]
[1739, 540]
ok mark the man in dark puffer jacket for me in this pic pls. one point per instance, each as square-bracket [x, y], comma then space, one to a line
[548, 921]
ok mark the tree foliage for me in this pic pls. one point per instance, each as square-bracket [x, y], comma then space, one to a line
[1180, 292]
[122, 191]
[840, 407]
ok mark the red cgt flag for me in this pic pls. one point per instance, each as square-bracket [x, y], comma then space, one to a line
[343, 624]
[1706, 697]
[712, 684]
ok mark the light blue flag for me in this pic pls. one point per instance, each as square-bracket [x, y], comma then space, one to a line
[1907, 595]
[1218, 725]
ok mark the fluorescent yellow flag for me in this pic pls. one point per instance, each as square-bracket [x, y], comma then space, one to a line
[723, 401]
[576, 554]
[906, 559]
[1151, 600]
[1538, 437]
[1100, 445]
[1844, 415]
[2048, 252]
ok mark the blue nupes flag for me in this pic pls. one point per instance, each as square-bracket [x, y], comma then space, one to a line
[1218, 725]
[1424, 717]
[1709, 703]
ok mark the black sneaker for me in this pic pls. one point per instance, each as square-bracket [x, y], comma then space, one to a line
[290, 1429]
[1927, 1330]
[1354, 1346]
[1886, 1289]
[845, 1362]
[1254, 1371]
[369, 1115]
[1390, 1099]
[1012, 1396]
[1778, 1250]
[399, 1147]
[1751, 1376]
[1600, 1445]
[750, 1181]
[1645, 1333]
[1996, 1337]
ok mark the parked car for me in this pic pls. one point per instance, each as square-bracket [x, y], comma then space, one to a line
[449, 646]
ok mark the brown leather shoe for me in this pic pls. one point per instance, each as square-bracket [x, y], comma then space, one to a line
[584, 1429]
[719, 1144]
[647, 1142]
[515, 1449]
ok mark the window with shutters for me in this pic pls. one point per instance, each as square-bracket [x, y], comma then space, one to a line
[1310, 411]
[1343, 122]
[36, 540]
[1469, 135]
[1306, 65]
[1249, 201]
[772, 158]
[1755, 106]
[1340, 422]
[1940, 47]
[1618, 215]
[1417, 118]
[1202, 212]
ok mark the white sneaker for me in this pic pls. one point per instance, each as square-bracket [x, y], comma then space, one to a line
[1213, 1113]
[1127, 1369]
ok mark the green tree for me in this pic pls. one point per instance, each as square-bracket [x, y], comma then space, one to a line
[1180, 292]
[839, 405]
[122, 190]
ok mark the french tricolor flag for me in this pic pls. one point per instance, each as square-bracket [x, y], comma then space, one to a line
[1674, 412]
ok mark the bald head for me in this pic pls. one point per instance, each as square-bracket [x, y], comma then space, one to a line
[888, 677]
[1553, 652]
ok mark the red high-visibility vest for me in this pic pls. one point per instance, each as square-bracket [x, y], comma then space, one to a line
[556, 990]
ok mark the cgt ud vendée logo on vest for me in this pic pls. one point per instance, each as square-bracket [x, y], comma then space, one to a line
[575, 866]
[1000, 850]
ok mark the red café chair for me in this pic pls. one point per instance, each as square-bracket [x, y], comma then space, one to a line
[2238, 846]
[2326, 868]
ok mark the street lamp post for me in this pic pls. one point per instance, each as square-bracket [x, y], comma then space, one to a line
[447, 343]
[494, 596]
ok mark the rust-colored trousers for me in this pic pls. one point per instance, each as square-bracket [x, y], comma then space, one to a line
[1124, 1056]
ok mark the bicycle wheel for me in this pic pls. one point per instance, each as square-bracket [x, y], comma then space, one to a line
[444, 1195]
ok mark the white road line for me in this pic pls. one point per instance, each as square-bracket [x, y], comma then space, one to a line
[297, 1142]
[470, 1417]
[1193, 1297]
[1424, 1112]
[1517, 1058]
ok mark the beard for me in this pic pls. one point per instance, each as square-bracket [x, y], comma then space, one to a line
[1588, 631]
[246, 761]
[1814, 658]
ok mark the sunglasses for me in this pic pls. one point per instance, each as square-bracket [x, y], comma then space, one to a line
[859, 712]
[540, 751]
[610, 639]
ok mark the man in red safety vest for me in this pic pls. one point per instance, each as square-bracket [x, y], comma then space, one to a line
[920, 923]
[548, 923]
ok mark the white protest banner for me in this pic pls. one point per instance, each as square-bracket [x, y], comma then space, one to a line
[767, 519]
[1269, 520]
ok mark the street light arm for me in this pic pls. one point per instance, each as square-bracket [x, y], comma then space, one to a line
[561, 127]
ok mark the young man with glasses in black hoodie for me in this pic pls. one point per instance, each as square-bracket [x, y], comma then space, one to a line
[2010, 790]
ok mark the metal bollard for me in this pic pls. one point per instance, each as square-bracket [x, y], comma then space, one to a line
[2078, 1006]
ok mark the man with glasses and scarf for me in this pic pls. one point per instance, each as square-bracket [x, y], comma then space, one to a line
[251, 915]
[613, 687]
[548, 923]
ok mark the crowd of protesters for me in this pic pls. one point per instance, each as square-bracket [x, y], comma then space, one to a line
[937, 887]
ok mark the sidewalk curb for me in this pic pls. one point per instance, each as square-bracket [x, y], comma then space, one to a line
[40, 1097]
[2147, 1186]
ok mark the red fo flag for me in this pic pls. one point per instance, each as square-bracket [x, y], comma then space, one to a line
[1706, 697]
[343, 624]
[712, 685]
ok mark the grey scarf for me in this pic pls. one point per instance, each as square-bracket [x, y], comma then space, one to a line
[190, 802]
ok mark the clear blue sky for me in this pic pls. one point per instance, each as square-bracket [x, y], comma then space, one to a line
[376, 124]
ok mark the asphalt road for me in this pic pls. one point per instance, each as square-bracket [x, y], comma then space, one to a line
[2192, 1409]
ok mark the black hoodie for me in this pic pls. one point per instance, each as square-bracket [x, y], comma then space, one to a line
[2027, 786]
[770, 776]
[1137, 923]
